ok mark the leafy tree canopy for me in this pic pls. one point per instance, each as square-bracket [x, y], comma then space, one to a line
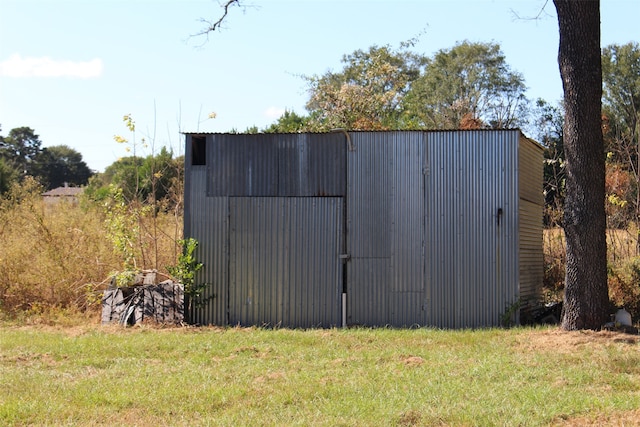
[289, 122]
[8, 175]
[59, 165]
[20, 148]
[156, 177]
[621, 96]
[471, 83]
[367, 94]
[467, 86]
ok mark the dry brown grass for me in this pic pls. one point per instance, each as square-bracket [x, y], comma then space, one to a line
[56, 259]
[623, 262]
[617, 418]
[559, 341]
[621, 244]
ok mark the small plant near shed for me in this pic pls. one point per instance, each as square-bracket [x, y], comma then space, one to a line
[186, 269]
[508, 318]
[122, 224]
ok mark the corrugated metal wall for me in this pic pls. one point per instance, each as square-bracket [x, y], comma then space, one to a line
[385, 228]
[531, 257]
[432, 221]
[285, 267]
[207, 221]
[471, 227]
[368, 231]
[276, 165]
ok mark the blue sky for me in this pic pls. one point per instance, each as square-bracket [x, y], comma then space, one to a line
[71, 69]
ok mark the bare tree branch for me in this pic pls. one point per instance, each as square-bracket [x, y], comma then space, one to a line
[533, 18]
[211, 26]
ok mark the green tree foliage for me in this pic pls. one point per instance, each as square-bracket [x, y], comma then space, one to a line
[621, 106]
[621, 128]
[21, 154]
[548, 130]
[61, 164]
[20, 149]
[621, 95]
[469, 85]
[143, 179]
[367, 94]
[8, 175]
[123, 226]
[289, 122]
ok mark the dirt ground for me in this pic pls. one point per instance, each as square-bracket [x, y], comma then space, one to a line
[560, 341]
[563, 341]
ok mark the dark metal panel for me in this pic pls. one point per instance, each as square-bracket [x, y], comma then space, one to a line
[311, 165]
[368, 196]
[406, 224]
[242, 165]
[368, 291]
[406, 309]
[293, 165]
[209, 226]
[285, 268]
[327, 165]
[272, 165]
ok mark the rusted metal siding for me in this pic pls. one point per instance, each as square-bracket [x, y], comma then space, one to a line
[531, 257]
[285, 267]
[471, 227]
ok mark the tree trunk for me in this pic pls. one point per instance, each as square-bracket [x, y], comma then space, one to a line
[586, 298]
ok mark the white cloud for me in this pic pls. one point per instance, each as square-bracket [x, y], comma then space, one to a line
[274, 112]
[17, 66]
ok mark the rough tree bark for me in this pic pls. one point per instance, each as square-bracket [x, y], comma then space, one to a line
[586, 296]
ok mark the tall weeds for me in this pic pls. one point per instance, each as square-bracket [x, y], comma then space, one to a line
[623, 267]
[58, 256]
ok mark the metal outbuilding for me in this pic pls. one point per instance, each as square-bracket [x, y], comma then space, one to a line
[398, 228]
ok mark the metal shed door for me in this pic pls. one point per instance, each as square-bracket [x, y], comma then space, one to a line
[284, 266]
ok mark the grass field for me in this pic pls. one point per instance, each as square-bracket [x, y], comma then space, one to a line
[146, 376]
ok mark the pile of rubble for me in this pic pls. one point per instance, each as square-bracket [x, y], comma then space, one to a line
[145, 299]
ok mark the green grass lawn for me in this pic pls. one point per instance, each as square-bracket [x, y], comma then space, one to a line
[93, 375]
